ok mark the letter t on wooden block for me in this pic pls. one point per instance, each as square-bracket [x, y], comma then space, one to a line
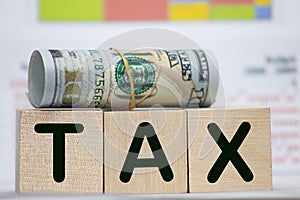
[59, 151]
[145, 152]
[229, 149]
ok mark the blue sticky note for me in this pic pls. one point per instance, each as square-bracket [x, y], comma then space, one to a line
[263, 12]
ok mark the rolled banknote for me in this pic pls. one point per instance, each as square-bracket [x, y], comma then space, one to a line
[98, 78]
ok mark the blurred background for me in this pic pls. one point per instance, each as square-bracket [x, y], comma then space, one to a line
[257, 43]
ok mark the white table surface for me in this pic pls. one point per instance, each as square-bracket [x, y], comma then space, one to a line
[284, 187]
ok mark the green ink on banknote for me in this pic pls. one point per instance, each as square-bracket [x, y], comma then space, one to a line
[142, 71]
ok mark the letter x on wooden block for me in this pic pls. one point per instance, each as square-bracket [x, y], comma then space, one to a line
[59, 151]
[229, 152]
[244, 163]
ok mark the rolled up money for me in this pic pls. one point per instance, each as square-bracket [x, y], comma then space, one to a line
[98, 78]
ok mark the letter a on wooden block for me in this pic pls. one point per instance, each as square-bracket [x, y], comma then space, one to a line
[59, 151]
[145, 152]
[229, 149]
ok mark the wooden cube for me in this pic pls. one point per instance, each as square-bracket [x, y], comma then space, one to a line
[229, 149]
[145, 151]
[59, 151]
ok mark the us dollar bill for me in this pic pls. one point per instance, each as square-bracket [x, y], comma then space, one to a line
[98, 78]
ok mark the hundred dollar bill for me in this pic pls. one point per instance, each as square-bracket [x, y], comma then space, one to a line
[98, 78]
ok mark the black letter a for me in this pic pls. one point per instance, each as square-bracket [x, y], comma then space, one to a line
[159, 160]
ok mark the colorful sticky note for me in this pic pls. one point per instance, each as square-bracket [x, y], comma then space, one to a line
[66, 10]
[263, 12]
[233, 12]
[230, 2]
[188, 11]
[263, 2]
[136, 9]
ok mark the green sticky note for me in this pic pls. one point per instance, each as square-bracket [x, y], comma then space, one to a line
[71, 10]
[232, 12]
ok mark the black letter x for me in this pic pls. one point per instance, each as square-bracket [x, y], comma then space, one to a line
[229, 152]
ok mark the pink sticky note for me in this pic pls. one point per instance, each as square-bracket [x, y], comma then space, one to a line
[136, 9]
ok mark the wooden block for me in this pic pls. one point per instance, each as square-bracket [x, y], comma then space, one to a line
[243, 134]
[142, 142]
[42, 166]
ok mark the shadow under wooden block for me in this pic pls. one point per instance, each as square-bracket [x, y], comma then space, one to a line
[71, 164]
[145, 152]
[229, 149]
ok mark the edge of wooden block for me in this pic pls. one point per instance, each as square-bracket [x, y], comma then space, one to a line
[17, 151]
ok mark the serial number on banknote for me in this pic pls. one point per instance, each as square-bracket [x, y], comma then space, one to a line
[99, 82]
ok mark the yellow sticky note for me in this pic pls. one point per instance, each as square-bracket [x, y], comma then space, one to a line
[263, 2]
[188, 11]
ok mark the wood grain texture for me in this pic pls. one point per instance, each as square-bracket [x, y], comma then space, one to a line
[119, 130]
[177, 131]
[204, 151]
[83, 153]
